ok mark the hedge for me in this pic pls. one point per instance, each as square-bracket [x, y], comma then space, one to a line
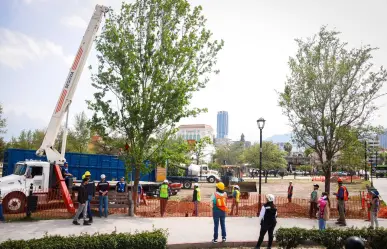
[330, 238]
[154, 239]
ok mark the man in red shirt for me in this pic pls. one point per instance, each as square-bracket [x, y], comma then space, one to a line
[290, 191]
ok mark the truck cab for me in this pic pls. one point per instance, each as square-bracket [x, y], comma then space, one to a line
[15, 187]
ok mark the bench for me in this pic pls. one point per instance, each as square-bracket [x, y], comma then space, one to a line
[115, 200]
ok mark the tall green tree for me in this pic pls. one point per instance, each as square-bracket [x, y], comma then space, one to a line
[28, 140]
[79, 136]
[330, 87]
[272, 156]
[200, 148]
[231, 153]
[152, 56]
[3, 124]
[288, 147]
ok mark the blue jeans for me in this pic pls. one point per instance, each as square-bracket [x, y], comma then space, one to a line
[1, 213]
[321, 224]
[103, 201]
[89, 198]
[219, 216]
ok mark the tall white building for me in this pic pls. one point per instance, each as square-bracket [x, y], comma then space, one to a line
[196, 132]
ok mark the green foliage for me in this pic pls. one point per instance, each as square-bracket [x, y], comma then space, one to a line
[28, 140]
[288, 147]
[307, 168]
[272, 156]
[79, 137]
[152, 56]
[198, 150]
[214, 166]
[231, 153]
[3, 121]
[154, 239]
[330, 238]
[329, 88]
[308, 151]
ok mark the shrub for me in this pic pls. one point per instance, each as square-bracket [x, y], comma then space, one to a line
[154, 239]
[377, 238]
[290, 237]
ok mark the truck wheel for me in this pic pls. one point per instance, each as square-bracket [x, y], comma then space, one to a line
[211, 179]
[14, 203]
[187, 185]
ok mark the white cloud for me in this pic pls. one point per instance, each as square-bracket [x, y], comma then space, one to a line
[16, 49]
[74, 21]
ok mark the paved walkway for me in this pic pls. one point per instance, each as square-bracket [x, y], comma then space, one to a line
[181, 230]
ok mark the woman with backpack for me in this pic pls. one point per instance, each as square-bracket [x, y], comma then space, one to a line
[323, 211]
[268, 217]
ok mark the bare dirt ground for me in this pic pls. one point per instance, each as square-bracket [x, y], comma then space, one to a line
[301, 188]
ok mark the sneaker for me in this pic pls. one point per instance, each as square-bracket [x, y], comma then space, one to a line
[90, 220]
[75, 222]
[224, 240]
[86, 223]
[214, 241]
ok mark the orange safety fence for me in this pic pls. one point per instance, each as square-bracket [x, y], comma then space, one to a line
[51, 206]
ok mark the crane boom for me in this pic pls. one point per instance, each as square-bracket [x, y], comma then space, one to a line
[66, 96]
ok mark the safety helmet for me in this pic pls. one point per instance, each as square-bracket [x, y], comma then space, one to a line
[87, 173]
[339, 180]
[196, 184]
[83, 177]
[165, 181]
[220, 185]
[103, 176]
[375, 192]
[270, 197]
[236, 186]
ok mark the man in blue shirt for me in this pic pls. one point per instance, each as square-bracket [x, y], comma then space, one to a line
[121, 185]
[66, 174]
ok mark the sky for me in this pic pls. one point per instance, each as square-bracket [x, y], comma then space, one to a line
[39, 39]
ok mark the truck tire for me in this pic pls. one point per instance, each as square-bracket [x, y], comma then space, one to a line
[14, 203]
[211, 179]
[187, 184]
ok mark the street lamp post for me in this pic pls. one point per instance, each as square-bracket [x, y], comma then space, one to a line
[261, 124]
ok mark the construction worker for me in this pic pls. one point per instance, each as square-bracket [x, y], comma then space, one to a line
[235, 200]
[342, 197]
[268, 217]
[121, 185]
[313, 202]
[66, 174]
[290, 191]
[219, 209]
[82, 200]
[375, 206]
[164, 194]
[90, 188]
[196, 199]
[103, 190]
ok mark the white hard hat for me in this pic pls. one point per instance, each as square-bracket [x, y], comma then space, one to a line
[103, 176]
[236, 186]
[270, 197]
[165, 181]
[196, 184]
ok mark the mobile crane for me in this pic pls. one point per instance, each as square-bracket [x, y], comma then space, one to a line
[45, 176]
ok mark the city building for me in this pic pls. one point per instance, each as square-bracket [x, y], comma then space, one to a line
[383, 140]
[222, 125]
[194, 132]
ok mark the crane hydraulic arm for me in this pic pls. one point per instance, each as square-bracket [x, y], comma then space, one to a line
[66, 96]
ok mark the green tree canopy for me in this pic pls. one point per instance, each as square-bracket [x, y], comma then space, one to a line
[79, 136]
[272, 156]
[152, 56]
[28, 140]
[288, 147]
[199, 149]
[330, 87]
[231, 153]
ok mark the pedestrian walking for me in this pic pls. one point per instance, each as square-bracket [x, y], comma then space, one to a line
[196, 198]
[219, 209]
[313, 202]
[82, 200]
[290, 191]
[324, 211]
[103, 190]
[268, 216]
[375, 206]
[342, 196]
[235, 200]
[90, 188]
[164, 194]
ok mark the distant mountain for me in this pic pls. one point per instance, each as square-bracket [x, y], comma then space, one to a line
[280, 138]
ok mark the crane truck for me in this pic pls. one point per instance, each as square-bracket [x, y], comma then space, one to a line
[46, 176]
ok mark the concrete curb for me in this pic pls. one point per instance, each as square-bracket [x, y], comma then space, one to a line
[218, 245]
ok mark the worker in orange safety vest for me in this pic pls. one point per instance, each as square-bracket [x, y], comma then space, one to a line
[219, 209]
[342, 196]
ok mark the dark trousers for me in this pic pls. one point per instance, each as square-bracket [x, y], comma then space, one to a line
[219, 217]
[163, 206]
[266, 228]
[313, 210]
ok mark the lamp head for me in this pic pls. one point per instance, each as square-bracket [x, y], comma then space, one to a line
[261, 123]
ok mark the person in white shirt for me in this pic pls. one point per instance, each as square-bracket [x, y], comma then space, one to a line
[268, 217]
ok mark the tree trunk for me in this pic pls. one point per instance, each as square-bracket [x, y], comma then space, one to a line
[266, 173]
[328, 180]
[135, 186]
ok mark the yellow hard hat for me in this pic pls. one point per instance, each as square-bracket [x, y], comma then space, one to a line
[87, 173]
[83, 177]
[220, 185]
